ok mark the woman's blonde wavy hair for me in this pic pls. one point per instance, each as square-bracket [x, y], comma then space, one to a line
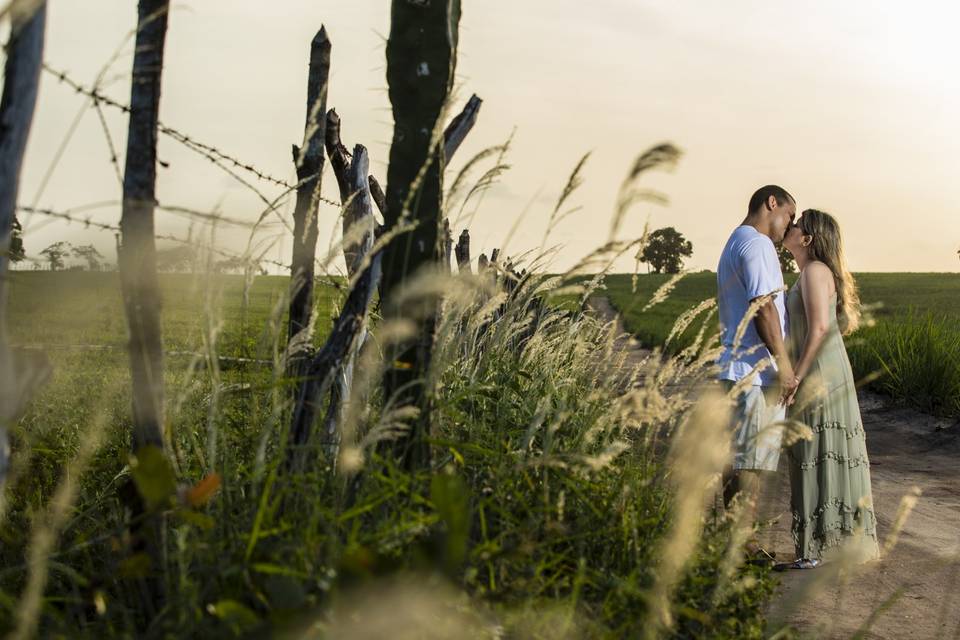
[827, 247]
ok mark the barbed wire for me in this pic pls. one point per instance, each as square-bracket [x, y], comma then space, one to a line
[215, 155]
[88, 222]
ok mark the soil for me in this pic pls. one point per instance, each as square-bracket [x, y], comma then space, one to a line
[913, 591]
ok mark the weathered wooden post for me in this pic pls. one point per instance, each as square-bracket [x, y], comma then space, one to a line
[137, 259]
[21, 80]
[421, 59]
[309, 165]
[138, 269]
[358, 194]
[463, 251]
[357, 219]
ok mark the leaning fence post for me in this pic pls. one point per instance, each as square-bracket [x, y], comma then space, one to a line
[21, 80]
[358, 194]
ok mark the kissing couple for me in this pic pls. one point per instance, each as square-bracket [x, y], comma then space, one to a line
[784, 359]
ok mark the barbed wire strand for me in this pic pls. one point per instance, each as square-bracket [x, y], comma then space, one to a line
[88, 222]
[214, 154]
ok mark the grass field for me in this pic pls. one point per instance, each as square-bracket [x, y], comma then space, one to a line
[915, 344]
[547, 512]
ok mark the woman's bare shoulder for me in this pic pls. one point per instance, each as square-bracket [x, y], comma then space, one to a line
[817, 274]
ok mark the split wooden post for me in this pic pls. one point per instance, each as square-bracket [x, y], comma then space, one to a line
[308, 160]
[358, 195]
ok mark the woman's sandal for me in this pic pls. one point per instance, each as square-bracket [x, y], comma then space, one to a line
[802, 563]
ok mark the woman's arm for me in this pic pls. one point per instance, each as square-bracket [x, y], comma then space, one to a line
[816, 283]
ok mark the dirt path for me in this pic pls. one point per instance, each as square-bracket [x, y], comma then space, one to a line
[913, 591]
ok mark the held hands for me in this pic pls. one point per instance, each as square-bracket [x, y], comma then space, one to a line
[789, 383]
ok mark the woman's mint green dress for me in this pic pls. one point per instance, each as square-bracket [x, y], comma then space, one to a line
[831, 498]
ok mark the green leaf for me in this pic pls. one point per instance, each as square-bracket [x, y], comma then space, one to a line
[153, 476]
[234, 615]
[451, 499]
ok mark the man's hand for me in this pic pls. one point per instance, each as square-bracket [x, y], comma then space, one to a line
[788, 385]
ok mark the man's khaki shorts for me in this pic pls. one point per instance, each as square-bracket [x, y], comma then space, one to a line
[756, 437]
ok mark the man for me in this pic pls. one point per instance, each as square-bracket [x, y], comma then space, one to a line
[749, 275]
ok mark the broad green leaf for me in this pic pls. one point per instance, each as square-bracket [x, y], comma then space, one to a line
[236, 616]
[153, 476]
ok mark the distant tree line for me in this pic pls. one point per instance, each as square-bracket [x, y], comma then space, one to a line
[56, 254]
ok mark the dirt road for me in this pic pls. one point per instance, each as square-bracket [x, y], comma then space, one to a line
[914, 590]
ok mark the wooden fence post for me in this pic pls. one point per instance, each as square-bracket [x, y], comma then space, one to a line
[358, 217]
[137, 259]
[309, 165]
[21, 81]
[463, 251]
[358, 194]
[421, 58]
[138, 274]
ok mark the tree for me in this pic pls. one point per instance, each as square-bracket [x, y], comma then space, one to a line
[17, 252]
[55, 254]
[421, 60]
[787, 263]
[89, 253]
[665, 250]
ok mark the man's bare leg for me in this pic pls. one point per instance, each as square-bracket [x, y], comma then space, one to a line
[741, 490]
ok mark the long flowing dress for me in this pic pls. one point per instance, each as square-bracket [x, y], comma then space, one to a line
[831, 498]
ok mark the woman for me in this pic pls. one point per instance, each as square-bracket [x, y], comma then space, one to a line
[829, 475]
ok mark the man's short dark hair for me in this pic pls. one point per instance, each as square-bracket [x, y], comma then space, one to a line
[761, 195]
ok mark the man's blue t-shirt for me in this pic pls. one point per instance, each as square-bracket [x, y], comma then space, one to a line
[749, 268]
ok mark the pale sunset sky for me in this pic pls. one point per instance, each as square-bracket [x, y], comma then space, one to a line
[851, 106]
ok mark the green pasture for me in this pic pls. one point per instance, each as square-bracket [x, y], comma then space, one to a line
[914, 346]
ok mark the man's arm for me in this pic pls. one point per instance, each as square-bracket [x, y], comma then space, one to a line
[767, 323]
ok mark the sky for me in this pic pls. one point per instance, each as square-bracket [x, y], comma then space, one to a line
[850, 106]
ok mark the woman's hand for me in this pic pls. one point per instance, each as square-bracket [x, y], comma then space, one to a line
[790, 397]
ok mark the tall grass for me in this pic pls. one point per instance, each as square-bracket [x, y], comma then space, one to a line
[549, 509]
[915, 359]
[911, 354]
